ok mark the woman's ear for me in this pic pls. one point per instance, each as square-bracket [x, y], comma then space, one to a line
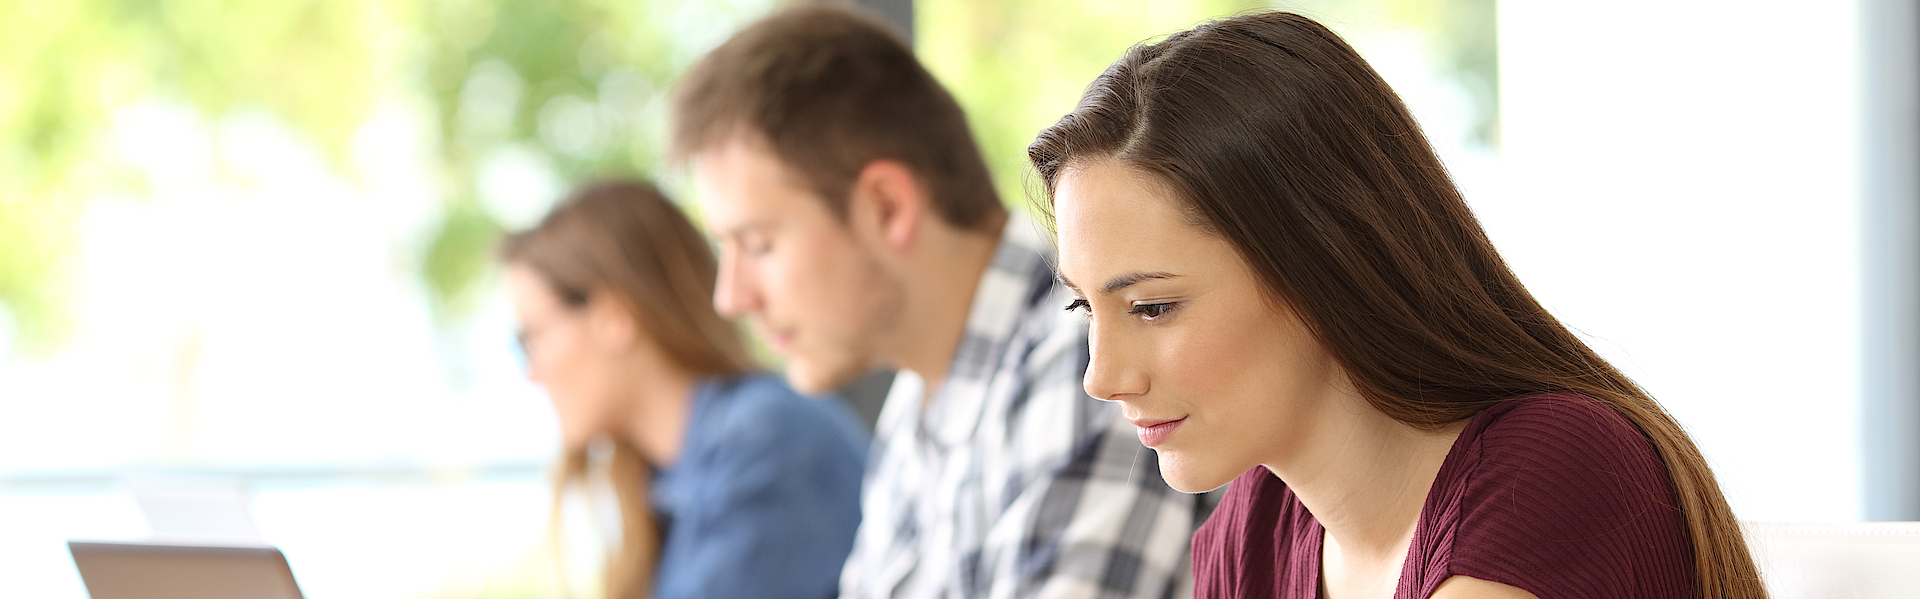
[610, 322]
[888, 199]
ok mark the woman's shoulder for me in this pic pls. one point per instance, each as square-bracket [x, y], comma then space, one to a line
[1557, 493]
[754, 432]
[762, 406]
[1562, 452]
[1570, 427]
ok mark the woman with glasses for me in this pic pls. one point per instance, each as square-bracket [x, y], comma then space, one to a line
[729, 484]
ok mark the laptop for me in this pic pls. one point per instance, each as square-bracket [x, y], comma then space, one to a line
[153, 571]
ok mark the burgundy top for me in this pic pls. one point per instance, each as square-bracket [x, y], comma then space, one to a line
[1558, 495]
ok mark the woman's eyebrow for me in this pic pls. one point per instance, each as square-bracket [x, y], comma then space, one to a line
[1120, 282]
[755, 225]
[1129, 279]
[1062, 279]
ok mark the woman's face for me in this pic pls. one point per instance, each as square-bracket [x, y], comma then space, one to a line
[565, 355]
[1217, 377]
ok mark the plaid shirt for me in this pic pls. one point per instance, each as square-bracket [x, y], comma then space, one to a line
[1010, 482]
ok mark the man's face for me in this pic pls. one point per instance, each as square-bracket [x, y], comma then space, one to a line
[810, 285]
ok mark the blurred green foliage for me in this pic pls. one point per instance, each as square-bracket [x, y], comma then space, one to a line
[573, 82]
[578, 84]
[1018, 66]
[575, 85]
[1463, 39]
[66, 66]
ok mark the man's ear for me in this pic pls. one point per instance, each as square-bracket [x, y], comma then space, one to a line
[896, 201]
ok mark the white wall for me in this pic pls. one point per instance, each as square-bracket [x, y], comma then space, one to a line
[1677, 181]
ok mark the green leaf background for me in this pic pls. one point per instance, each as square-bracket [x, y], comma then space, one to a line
[577, 83]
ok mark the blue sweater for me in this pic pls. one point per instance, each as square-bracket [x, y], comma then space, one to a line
[765, 497]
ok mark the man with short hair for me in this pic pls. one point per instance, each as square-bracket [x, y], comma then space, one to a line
[859, 228]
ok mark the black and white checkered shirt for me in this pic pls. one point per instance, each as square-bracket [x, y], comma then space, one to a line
[1010, 482]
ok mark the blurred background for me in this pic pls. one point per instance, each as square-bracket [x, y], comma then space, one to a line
[245, 247]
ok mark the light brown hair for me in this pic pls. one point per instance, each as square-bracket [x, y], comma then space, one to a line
[625, 241]
[1278, 137]
[831, 89]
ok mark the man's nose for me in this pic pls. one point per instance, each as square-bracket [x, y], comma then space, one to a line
[732, 293]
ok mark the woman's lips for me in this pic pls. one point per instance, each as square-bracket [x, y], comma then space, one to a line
[1155, 432]
[780, 340]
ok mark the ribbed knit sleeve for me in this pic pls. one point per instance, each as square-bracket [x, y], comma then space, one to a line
[1559, 495]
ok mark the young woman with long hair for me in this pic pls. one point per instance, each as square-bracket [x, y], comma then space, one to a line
[728, 483]
[1287, 291]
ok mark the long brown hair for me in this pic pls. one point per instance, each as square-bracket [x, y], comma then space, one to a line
[625, 239]
[1279, 138]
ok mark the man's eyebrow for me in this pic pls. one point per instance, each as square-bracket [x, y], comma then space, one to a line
[1121, 282]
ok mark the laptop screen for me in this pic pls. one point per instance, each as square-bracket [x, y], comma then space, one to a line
[143, 571]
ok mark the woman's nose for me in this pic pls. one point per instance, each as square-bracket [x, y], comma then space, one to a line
[1111, 375]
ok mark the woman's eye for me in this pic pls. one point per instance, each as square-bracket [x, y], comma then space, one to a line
[1079, 305]
[1151, 311]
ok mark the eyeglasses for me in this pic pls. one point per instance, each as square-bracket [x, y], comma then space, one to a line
[529, 335]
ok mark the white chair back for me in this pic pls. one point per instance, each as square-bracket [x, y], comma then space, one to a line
[1861, 560]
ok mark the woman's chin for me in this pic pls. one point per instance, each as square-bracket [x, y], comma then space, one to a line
[575, 439]
[1187, 476]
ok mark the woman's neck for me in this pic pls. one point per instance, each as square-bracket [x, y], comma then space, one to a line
[658, 412]
[1365, 478]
